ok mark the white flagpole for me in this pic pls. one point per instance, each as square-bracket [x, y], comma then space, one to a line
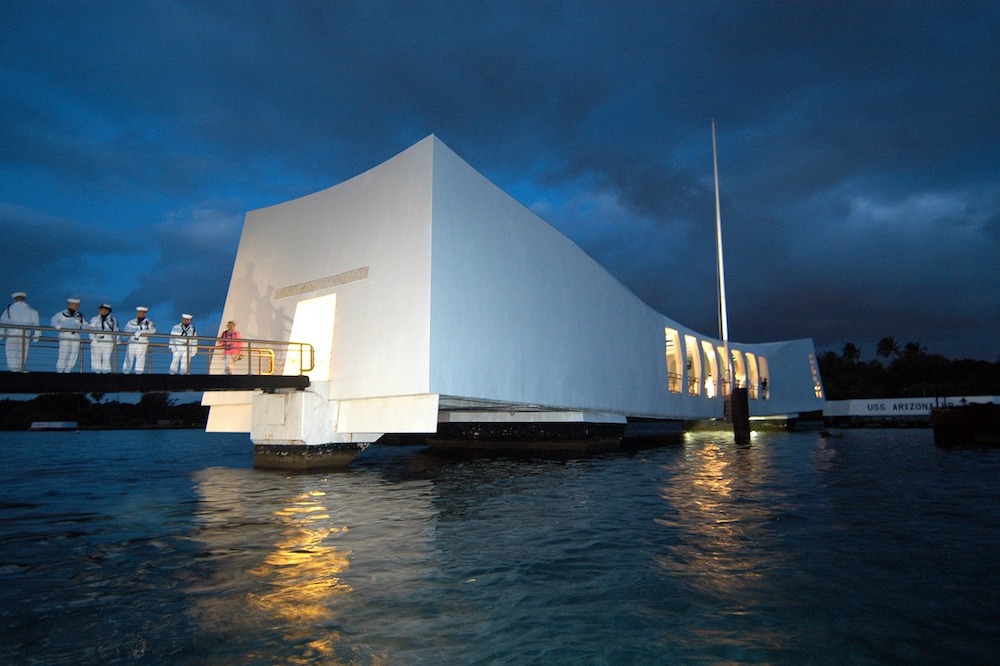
[721, 268]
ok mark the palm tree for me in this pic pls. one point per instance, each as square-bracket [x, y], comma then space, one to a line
[914, 350]
[851, 353]
[887, 347]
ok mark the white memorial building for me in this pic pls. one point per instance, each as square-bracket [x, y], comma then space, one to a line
[433, 298]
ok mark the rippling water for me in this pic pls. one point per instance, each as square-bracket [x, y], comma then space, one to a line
[166, 547]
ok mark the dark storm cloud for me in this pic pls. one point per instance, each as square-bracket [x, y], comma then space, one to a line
[180, 264]
[45, 254]
[858, 142]
[191, 267]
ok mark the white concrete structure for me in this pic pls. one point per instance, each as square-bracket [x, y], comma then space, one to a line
[433, 297]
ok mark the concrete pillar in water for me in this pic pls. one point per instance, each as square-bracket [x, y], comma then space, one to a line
[306, 456]
[739, 410]
[298, 430]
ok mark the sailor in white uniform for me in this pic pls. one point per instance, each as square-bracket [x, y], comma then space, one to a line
[140, 327]
[69, 322]
[102, 340]
[17, 339]
[184, 345]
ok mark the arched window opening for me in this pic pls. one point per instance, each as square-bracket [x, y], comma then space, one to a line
[753, 377]
[675, 374]
[725, 369]
[739, 368]
[817, 384]
[693, 365]
[711, 370]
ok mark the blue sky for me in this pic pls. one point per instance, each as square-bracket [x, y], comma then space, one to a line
[859, 146]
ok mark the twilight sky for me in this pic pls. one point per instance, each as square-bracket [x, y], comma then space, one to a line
[859, 146]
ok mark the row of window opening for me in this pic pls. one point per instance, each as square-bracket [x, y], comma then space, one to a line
[704, 367]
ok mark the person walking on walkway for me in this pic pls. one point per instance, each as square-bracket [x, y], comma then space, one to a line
[16, 340]
[135, 355]
[69, 322]
[232, 346]
[102, 340]
[183, 344]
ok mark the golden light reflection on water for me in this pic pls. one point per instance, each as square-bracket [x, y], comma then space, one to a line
[718, 510]
[303, 569]
[712, 475]
[288, 585]
[704, 501]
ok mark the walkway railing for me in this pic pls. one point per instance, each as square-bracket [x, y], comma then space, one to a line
[37, 349]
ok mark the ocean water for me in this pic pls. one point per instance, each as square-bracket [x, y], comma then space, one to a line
[869, 547]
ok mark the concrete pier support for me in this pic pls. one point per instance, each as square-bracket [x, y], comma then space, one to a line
[298, 430]
[535, 430]
[739, 410]
[309, 430]
[306, 456]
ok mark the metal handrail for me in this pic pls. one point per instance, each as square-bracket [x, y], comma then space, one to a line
[674, 382]
[206, 357]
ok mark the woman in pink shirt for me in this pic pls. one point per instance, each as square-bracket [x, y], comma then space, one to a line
[231, 345]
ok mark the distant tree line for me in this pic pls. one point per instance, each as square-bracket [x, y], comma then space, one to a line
[92, 411]
[904, 371]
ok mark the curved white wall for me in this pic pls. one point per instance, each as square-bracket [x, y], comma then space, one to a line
[376, 224]
[520, 313]
[445, 285]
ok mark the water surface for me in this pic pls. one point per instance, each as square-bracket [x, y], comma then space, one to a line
[872, 547]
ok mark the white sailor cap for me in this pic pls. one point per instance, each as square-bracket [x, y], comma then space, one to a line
[142, 308]
[19, 294]
[104, 305]
[73, 300]
[186, 316]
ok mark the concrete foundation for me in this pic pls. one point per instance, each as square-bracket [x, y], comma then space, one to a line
[538, 437]
[306, 457]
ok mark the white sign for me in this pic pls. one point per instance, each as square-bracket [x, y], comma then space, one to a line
[899, 406]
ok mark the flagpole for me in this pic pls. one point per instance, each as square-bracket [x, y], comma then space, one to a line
[721, 269]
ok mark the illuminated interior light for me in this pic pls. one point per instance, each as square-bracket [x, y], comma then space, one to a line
[313, 323]
[674, 372]
[693, 365]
